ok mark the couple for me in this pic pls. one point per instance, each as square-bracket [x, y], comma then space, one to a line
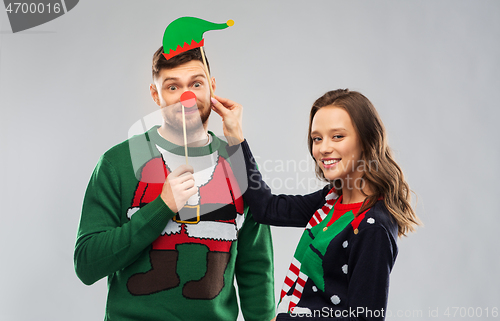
[172, 238]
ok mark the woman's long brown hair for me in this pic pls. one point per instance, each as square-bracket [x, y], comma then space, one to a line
[387, 179]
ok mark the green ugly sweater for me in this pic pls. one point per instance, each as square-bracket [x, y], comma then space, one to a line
[163, 265]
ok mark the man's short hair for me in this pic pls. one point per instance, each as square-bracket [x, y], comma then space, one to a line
[160, 62]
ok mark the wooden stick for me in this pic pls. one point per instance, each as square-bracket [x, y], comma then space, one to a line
[184, 115]
[185, 135]
[207, 72]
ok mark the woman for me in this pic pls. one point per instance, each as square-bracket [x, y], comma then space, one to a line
[343, 260]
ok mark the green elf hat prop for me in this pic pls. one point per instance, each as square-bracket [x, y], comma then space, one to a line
[186, 33]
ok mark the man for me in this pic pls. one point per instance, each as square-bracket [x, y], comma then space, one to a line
[171, 237]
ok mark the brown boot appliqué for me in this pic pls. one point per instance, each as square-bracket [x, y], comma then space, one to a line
[162, 276]
[209, 286]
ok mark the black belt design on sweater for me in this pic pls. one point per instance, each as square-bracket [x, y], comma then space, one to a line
[206, 212]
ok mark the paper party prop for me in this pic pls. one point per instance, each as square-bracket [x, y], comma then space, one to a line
[188, 99]
[186, 33]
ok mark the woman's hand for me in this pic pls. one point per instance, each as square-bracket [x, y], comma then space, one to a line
[231, 114]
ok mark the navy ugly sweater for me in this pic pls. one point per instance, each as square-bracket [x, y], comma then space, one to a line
[340, 270]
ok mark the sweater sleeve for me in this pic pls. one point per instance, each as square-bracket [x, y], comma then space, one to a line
[104, 244]
[371, 259]
[255, 271]
[267, 208]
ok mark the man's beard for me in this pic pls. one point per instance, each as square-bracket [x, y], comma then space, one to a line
[194, 121]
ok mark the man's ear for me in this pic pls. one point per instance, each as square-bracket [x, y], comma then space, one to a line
[154, 94]
[213, 84]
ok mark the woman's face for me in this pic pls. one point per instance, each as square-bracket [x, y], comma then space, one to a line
[336, 146]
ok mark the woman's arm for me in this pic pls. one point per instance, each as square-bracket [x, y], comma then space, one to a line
[371, 260]
[279, 210]
[267, 208]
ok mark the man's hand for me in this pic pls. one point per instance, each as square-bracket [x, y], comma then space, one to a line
[179, 187]
[231, 114]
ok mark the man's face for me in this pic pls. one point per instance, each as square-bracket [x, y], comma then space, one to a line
[168, 88]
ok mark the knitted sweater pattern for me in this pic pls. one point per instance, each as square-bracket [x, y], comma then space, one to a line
[341, 267]
[163, 265]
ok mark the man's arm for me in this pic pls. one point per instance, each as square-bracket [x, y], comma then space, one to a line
[255, 271]
[104, 243]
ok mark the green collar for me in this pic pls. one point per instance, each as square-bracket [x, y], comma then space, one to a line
[155, 137]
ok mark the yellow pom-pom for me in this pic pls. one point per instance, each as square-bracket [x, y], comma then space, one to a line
[230, 23]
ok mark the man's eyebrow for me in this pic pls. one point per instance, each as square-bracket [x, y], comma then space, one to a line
[198, 75]
[175, 78]
[170, 78]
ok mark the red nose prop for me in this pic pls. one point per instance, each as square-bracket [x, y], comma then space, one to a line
[188, 99]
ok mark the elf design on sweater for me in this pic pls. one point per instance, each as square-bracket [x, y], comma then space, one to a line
[324, 225]
[343, 260]
[212, 218]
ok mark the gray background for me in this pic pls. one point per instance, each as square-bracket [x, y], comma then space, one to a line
[71, 88]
